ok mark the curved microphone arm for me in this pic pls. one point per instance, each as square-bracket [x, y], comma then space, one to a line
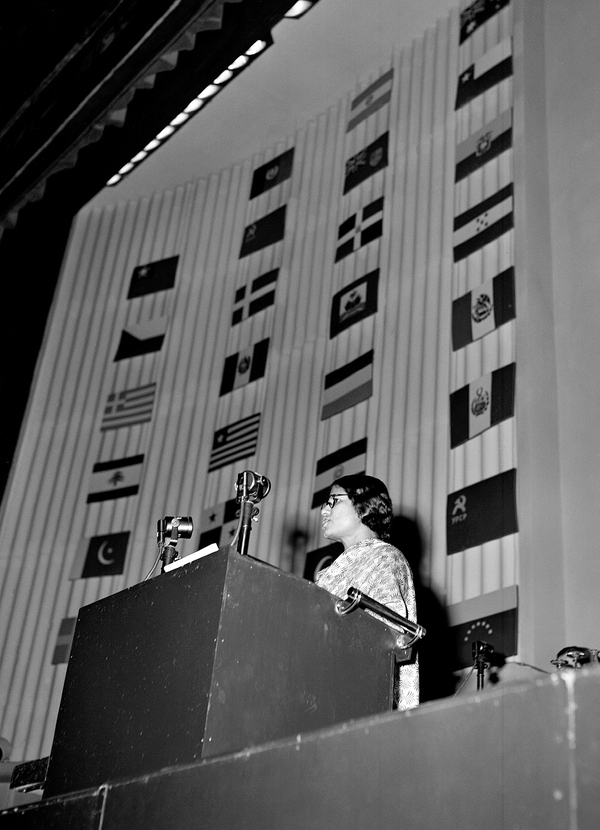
[251, 489]
[360, 600]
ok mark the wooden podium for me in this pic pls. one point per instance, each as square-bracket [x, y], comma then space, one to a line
[217, 656]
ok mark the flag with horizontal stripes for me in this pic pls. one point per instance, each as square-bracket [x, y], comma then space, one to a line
[477, 14]
[244, 367]
[482, 404]
[142, 338]
[491, 618]
[152, 277]
[64, 641]
[366, 163]
[320, 558]
[260, 295]
[115, 479]
[349, 460]
[234, 442]
[272, 173]
[486, 72]
[484, 145]
[360, 229]
[129, 407]
[481, 224]
[348, 385]
[482, 512]
[370, 100]
[218, 523]
[263, 232]
[100, 556]
[485, 308]
[353, 303]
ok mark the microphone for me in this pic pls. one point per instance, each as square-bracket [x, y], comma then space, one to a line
[364, 601]
[252, 487]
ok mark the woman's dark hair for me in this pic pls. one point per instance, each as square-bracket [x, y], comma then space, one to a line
[371, 500]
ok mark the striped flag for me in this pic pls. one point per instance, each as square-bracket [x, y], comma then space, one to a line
[129, 407]
[491, 618]
[482, 404]
[353, 303]
[360, 229]
[482, 512]
[272, 173]
[477, 14]
[234, 442]
[115, 479]
[348, 385]
[366, 163]
[484, 145]
[219, 523]
[260, 296]
[64, 641]
[483, 223]
[349, 460]
[244, 367]
[263, 232]
[489, 70]
[371, 100]
[155, 276]
[142, 338]
[100, 556]
[484, 309]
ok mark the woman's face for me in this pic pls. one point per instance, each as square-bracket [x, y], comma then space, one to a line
[340, 521]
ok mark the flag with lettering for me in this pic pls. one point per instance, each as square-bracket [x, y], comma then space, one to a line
[272, 173]
[100, 556]
[142, 338]
[485, 308]
[490, 69]
[354, 303]
[128, 407]
[482, 512]
[249, 300]
[484, 145]
[152, 277]
[244, 367]
[491, 618]
[482, 404]
[234, 442]
[483, 223]
[64, 641]
[477, 14]
[115, 479]
[219, 523]
[348, 460]
[366, 163]
[360, 229]
[348, 385]
[370, 100]
[321, 558]
[263, 232]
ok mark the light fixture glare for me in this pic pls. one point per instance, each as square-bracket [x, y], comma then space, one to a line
[139, 157]
[299, 8]
[238, 62]
[256, 47]
[168, 130]
[180, 119]
[208, 91]
[113, 180]
[126, 168]
[225, 76]
[152, 145]
[194, 105]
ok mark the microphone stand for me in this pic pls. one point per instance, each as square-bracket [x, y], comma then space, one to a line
[251, 489]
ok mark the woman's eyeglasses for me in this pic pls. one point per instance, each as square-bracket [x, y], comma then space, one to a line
[333, 500]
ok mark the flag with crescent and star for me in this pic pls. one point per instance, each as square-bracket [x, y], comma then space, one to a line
[100, 556]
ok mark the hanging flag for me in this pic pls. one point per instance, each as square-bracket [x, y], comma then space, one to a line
[353, 303]
[350, 460]
[484, 309]
[244, 367]
[483, 223]
[491, 618]
[234, 442]
[482, 404]
[115, 479]
[489, 70]
[155, 276]
[360, 229]
[100, 556]
[321, 558]
[477, 14]
[261, 295]
[366, 163]
[129, 407]
[141, 339]
[348, 385]
[263, 232]
[482, 512]
[219, 523]
[64, 641]
[484, 145]
[272, 173]
[375, 96]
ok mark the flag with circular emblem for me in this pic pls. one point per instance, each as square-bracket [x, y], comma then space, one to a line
[272, 173]
[244, 367]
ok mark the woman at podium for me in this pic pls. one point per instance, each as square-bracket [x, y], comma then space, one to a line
[358, 513]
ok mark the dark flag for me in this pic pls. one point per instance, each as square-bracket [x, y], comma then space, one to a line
[115, 479]
[491, 618]
[477, 14]
[265, 231]
[366, 163]
[371, 100]
[64, 641]
[219, 523]
[272, 173]
[353, 303]
[482, 512]
[234, 442]
[482, 404]
[351, 459]
[244, 367]
[155, 276]
[348, 385]
[129, 407]
[484, 145]
[360, 229]
[100, 556]
[484, 309]
[483, 223]
[489, 70]
[321, 558]
[261, 295]
[142, 339]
